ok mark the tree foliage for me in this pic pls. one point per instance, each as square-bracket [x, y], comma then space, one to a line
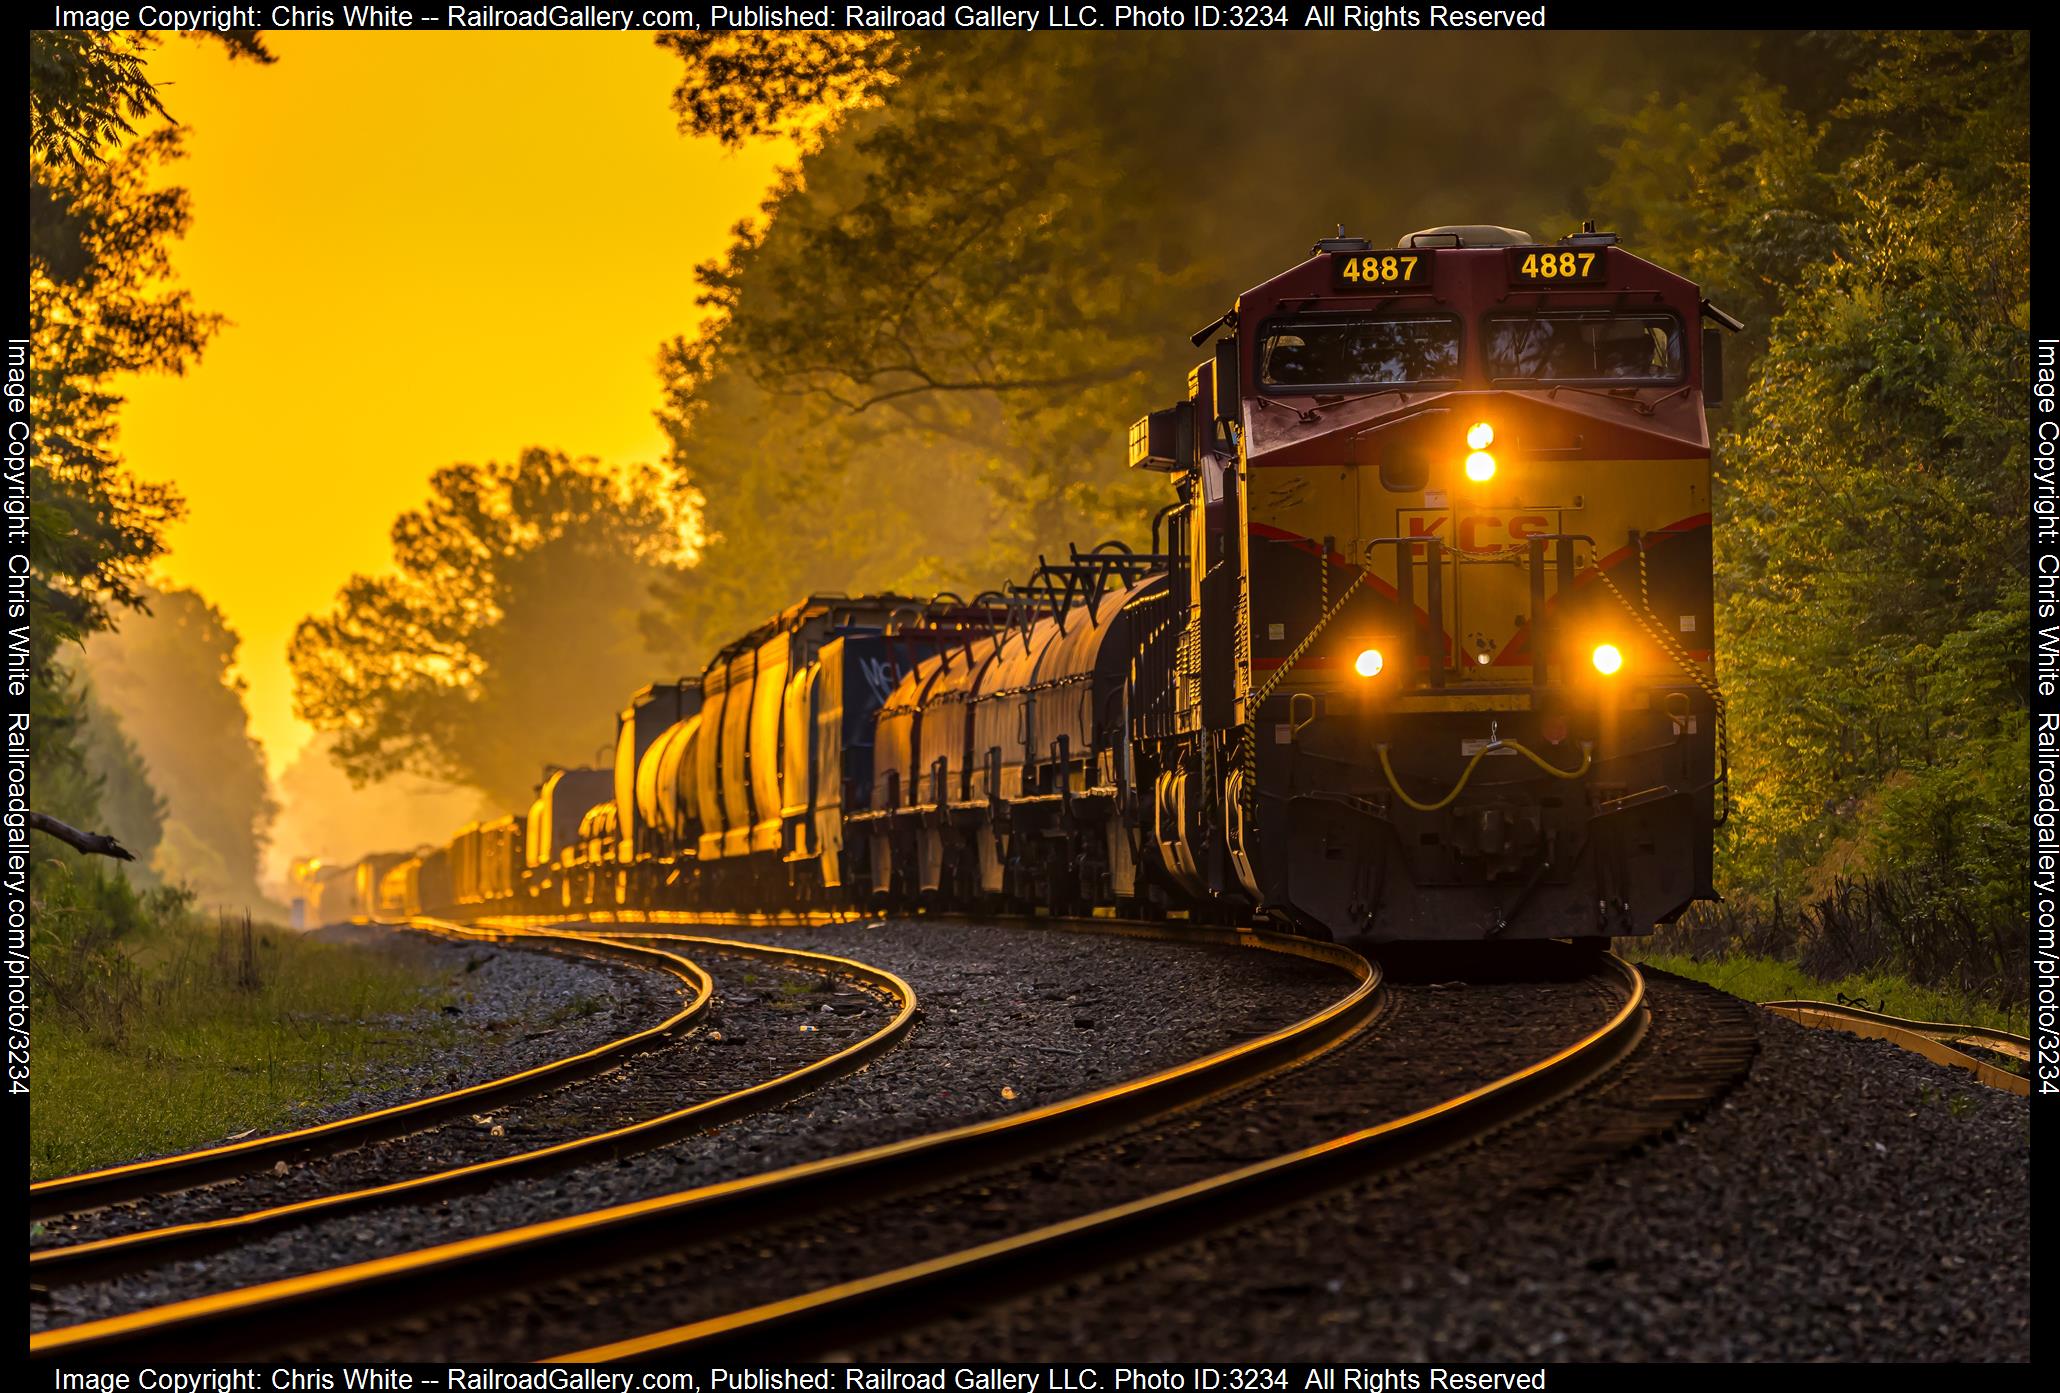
[168, 679]
[510, 619]
[745, 83]
[1872, 485]
[989, 258]
[102, 303]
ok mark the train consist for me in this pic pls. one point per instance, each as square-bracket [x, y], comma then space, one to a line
[1421, 650]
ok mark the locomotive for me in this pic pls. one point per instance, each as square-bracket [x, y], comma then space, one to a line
[1422, 650]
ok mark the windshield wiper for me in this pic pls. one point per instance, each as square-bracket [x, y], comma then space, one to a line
[1309, 415]
[1619, 394]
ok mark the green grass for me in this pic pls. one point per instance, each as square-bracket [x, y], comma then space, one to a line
[197, 1045]
[1770, 979]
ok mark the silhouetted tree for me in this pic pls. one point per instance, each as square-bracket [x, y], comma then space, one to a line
[102, 303]
[167, 676]
[507, 635]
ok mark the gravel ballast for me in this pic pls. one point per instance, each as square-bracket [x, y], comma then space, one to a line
[1010, 1018]
[490, 1010]
[767, 1018]
[1433, 1041]
[1847, 1201]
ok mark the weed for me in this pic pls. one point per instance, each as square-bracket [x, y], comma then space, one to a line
[1761, 978]
[1895, 929]
[155, 1031]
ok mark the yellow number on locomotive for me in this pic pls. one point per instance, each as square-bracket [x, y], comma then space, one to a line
[1376, 269]
[1558, 266]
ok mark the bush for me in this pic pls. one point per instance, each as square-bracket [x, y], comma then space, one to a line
[1897, 923]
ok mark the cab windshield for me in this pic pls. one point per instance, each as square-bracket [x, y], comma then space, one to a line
[1584, 346]
[1358, 352]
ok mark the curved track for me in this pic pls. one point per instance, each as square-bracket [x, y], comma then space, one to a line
[1941, 1042]
[271, 1315]
[70, 1194]
[127, 1251]
[911, 1292]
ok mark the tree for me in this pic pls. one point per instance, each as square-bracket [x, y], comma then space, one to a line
[102, 303]
[168, 678]
[130, 806]
[508, 634]
[1872, 496]
[994, 248]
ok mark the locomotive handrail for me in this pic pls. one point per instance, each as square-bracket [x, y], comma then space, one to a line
[1159, 517]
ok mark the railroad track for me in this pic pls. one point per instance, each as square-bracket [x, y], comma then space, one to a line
[71, 1194]
[909, 1294]
[1942, 1042]
[252, 1321]
[132, 1251]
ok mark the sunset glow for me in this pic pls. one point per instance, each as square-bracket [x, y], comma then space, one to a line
[430, 247]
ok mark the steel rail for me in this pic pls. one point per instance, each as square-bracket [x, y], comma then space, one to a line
[857, 1307]
[70, 1194]
[274, 1313]
[1938, 1041]
[128, 1251]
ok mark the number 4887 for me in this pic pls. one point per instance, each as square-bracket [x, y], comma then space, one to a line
[1558, 266]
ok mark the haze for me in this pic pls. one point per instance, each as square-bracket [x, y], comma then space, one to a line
[430, 247]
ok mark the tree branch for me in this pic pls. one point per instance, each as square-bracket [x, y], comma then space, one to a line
[92, 843]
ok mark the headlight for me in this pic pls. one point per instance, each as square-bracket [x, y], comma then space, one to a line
[1480, 466]
[1479, 436]
[1607, 658]
[1369, 663]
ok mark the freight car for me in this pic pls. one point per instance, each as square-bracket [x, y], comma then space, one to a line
[1422, 649]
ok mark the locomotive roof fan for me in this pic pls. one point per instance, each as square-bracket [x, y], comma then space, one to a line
[1468, 235]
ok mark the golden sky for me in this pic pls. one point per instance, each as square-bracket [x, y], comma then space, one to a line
[430, 247]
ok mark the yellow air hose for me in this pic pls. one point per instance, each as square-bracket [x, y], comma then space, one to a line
[1587, 758]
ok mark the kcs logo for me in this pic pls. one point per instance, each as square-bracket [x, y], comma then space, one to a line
[1488, 531]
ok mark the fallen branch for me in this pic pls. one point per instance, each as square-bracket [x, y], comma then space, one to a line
[92, 843]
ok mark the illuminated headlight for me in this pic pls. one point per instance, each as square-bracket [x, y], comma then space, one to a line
[1479, 436]
[1607, 658]
[1480, 466]
[1369, 663]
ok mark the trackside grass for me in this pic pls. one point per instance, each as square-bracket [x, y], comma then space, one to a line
[189, 1031]
[1770, 979]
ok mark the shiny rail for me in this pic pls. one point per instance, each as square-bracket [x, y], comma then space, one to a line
[125, 1252]
[903, 1295]
[269, 1316]
[1941, 1042]
[70, 1194]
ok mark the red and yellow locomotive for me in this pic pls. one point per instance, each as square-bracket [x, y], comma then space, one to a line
[1436, 658]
